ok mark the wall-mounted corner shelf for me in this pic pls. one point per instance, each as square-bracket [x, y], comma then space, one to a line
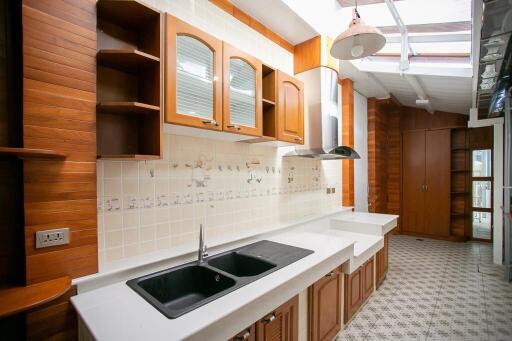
[128, 108]
[129, 157]
[17, 299]
[30, 153]
[127, 60]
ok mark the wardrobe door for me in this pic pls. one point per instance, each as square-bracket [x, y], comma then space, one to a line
[437, 184]
[413, 181]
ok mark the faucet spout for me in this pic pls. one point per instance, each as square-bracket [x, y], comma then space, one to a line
[202, 251]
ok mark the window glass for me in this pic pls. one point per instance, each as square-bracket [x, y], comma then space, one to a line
[482, 225]
[482, 163]
[482, 194]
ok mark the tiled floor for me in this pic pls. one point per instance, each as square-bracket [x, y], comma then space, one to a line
[437, 290]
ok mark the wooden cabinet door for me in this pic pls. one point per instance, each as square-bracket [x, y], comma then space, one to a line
[290, 109]
[242, 87]
[413, 164]
[248, 334]
[325, 307]
[367, 270]
[353, 293]
[281, 324]
[193, 70]
[381, 263]
[437, 184]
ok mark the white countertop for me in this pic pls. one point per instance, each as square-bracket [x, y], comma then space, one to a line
[363, 222]
[113, 311]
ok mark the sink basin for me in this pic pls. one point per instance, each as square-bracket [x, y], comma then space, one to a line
[240, 265]
[177, 291]
[181, 289]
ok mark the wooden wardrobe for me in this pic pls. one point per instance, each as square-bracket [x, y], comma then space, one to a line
[426, 162]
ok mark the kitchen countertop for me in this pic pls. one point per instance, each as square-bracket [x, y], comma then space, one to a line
[362, 222]
[112, 310]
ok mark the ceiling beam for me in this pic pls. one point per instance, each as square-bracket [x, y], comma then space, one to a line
[404, 36]
[433, 38]
[457, 26]
[379, 85]
[352, 3]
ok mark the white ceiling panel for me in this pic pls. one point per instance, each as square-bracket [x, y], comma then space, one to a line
[277, 16]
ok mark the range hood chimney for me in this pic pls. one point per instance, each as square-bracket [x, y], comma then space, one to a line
[321, 117]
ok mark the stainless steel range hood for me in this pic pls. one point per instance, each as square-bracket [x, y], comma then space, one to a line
[321, 117]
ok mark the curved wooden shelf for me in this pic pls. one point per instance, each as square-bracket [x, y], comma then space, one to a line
[17, 299]
[30, 153]
[129, 157]
[127, 108]
[127, 60]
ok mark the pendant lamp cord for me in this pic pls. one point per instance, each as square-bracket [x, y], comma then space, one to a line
[357, 13]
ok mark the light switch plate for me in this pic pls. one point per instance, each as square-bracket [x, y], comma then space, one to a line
[52, 237]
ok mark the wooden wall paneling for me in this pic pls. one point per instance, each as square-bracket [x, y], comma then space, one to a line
[59, 114]
[481, 138]
[394, 165]
[347, 139]
[417, 118]
[437, 182]
[229, 8]
[377, 158]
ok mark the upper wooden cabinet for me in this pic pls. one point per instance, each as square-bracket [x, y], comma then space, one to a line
[193, 92]
[242, 104]
[324, 306]
[290, 109]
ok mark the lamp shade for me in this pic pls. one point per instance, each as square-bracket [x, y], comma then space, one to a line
[358, 41]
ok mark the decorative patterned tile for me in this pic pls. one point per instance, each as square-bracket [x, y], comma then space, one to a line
[437, 290]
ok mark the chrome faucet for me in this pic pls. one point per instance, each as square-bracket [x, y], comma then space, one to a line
[202, 252]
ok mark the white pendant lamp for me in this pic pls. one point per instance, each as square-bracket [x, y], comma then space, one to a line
[358, 41]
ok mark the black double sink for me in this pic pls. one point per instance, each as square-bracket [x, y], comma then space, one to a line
[181, 289]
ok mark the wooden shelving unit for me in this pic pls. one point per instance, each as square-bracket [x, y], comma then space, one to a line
[30, 153]
[460, 225]
[269, 86]
[129, 115]
[17, 299]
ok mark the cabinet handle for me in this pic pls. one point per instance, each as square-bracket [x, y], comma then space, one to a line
[269, 319]
[426, 188]
[300, 139]
[246, 336]
[234, 126]
[212, 122]
[330, 274]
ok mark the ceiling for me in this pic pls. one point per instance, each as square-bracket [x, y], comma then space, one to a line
[277, 16]
[448, 90]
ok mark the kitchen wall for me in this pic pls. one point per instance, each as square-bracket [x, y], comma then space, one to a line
[232, 188]
[361, 146]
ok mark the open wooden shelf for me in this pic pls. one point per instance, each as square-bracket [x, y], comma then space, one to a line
[268, 102]
[455, 149]
[459, 192]
[128, 108]
[17, 299]
[30, 153]
[127, 60]
[129, 157]
[458, 214]
[460, 170]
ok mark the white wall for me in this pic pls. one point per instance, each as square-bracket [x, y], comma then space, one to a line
[361, 146]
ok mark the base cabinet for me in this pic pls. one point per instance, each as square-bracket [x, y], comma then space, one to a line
[358, 287]
[381, 262]
[248, 334]
[282, 324]
[324, 315]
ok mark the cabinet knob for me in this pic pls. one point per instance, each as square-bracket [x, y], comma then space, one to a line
[246, 336]
[269, 319]
[299, 139]
[234, 126]
[212, 122]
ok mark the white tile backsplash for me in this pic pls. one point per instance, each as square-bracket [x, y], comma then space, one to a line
[229, 187]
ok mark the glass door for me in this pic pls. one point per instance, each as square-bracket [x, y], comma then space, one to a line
[482, 195]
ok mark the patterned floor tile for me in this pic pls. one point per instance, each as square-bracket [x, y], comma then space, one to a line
[437, 290]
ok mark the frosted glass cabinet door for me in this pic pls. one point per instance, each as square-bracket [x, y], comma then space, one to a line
[242, 99]
[193, 70]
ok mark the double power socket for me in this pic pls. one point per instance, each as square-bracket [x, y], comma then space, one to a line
[52, 237]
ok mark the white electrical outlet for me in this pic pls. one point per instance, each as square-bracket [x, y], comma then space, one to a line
[52, 237]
